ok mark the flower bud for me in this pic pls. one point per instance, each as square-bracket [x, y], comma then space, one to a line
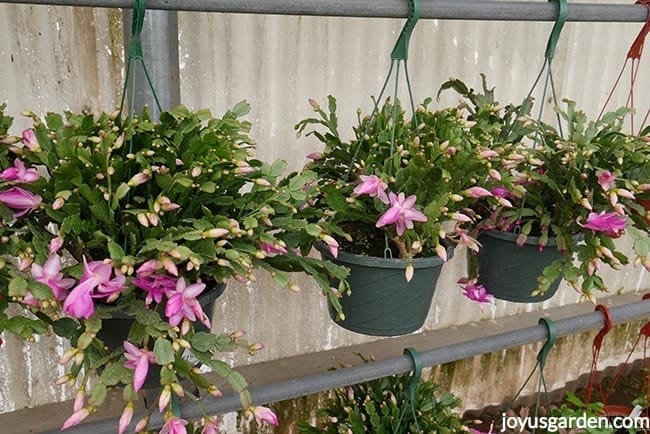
[137, 179]
[216, 233]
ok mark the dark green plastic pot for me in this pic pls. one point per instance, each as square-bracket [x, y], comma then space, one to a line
[115, 330]
[509, 272]
[382, 302]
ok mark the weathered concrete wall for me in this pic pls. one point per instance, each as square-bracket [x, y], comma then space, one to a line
[56, 58]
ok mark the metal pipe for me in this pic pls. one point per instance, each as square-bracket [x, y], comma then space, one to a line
[297, 387]
[486, 10]
[160, 47]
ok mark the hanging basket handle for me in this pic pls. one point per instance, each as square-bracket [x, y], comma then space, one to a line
[563, 14]
[401, 49]
[598, 340]
[550, 341]
[417, 371]
[636, 49]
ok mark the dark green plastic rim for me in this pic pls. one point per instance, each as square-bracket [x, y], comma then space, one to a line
[377, 262]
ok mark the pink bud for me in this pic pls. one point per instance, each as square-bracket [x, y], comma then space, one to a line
[137, 179]
[460, 217]
[55, 244]
[441, 252]
[315, 156]
[216, 233]
[625, 193]
[142, 219]
[332, 244]
[408, 273]
[314, 104]
[476, 192]
[494, 174]
[58, 203]
[79, 400]
[164, 399]
[265, 414]
[142, 424]
[488, 153]
[30, 140]
[125, 418]
[76, 417]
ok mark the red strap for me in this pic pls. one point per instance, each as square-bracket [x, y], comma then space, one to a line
[636, 49]
[595, 350]
[645, 330]
[598, 340]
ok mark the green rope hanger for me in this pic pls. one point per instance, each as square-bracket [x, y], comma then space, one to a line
[542, 355]
[412, 388]
[551, 45]
[399, 56]
[135, 54]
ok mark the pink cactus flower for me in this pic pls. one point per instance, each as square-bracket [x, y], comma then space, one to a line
[373, 186]
[155, 285]
[475, 292]
[79, 303]
[98, 273]
[315, 156]
[501, 191]
[182, 303]
[610, 223]
[265, 414]
[22, 201]
[139, 360]
[402, 213]
[606, 179]
[465, 240]
[30, 140]
[174, 425]
[96, 276]
[50, 274]
[19, 173]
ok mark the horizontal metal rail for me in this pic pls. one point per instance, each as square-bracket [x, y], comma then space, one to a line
[484, 10]
[297, 387]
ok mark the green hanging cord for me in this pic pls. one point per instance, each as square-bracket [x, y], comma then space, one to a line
[412, 388]
[399, 53]
[135, 54]
[563, 13]
[542, 355]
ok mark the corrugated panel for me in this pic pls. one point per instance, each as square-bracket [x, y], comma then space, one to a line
[57, 58]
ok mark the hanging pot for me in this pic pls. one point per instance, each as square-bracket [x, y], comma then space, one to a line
[115, 330]
[509, 272]
[382, 302]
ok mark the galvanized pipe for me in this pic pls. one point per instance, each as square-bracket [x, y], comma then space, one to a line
[486, 10]
[297, 387]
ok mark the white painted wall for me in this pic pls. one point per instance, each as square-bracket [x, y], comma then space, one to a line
[56, 58]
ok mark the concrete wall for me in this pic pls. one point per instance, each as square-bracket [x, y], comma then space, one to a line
[56, 58]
